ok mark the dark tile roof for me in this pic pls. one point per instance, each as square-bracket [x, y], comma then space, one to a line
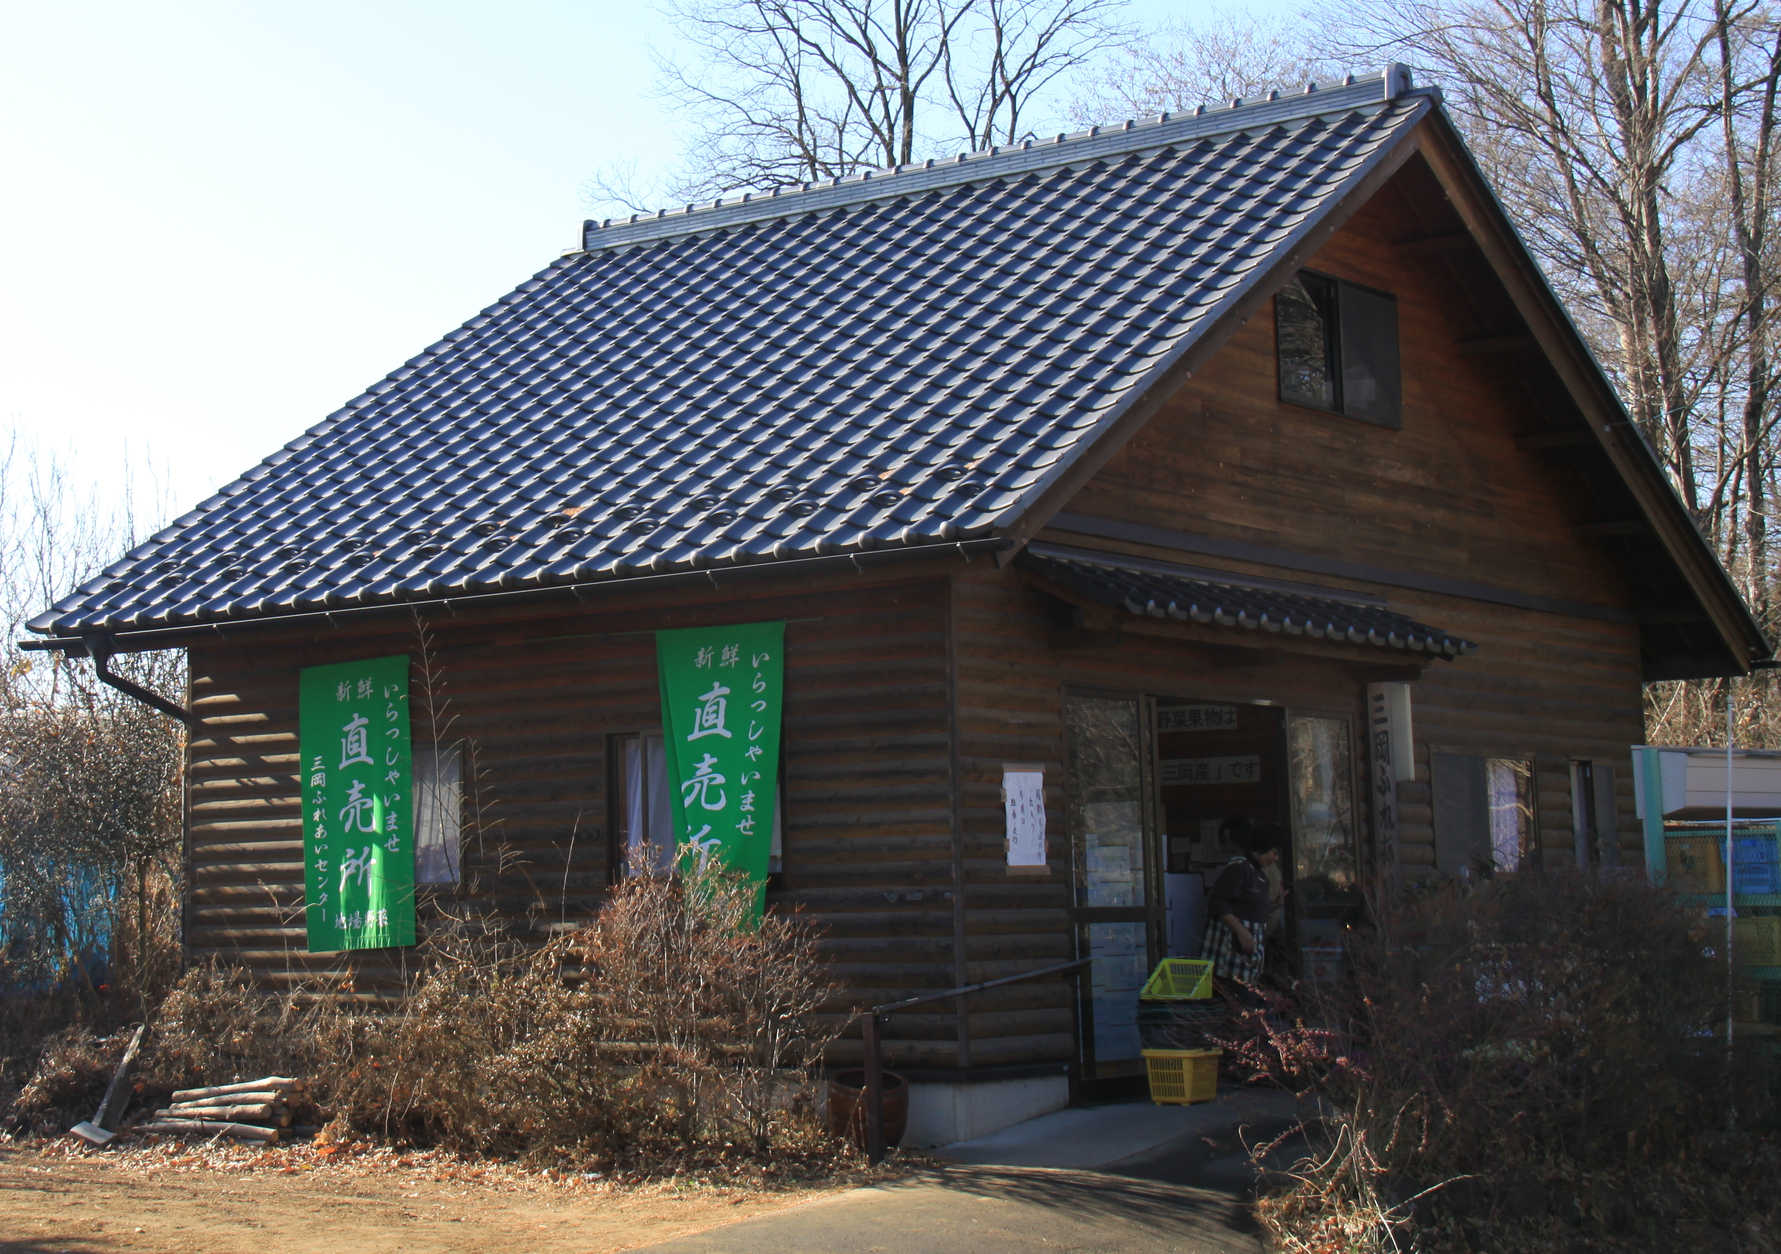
[892, 361]
[1154, 590]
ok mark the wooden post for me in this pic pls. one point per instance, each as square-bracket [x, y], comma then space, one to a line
[874, 1090]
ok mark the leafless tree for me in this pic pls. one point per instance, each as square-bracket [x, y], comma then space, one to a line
[790, 91]
[1223, 55]
[1633, 143]
[89, 778]
[1588, 117]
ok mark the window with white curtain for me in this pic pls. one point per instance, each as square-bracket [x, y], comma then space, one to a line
[645, 818]
[1484, 813]
[438, 813]
[1509, 783]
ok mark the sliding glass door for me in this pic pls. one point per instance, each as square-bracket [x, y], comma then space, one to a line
[1110, 821]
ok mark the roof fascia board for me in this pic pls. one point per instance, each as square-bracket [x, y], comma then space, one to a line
[1608, 422]
[1096, 144]
[1048, 496]
[917, 558]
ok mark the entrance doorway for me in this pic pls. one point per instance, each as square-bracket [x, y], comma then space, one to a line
[1156, 787]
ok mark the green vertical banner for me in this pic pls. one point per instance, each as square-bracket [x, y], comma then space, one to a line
[721, 706]
[358, 804]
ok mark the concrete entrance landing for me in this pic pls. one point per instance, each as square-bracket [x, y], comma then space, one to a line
[1128, 1177]
[1094, 1138]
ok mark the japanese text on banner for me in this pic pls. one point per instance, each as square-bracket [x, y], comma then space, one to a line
[721, 690]
[358, 848]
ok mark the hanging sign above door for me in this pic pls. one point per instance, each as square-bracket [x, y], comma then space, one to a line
[1173, 718]
[1245, 768]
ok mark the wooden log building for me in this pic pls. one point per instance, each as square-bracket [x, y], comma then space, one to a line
[1163, 459]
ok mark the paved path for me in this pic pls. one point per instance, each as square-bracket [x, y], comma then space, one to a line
[1019, 1191]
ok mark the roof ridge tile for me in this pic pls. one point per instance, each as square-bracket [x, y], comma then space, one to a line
[998, 161]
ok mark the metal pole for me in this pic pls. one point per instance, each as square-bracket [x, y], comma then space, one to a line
[874, 1091]
[1731, 971]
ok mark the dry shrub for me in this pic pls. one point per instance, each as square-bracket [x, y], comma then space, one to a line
[32, 1022]
[73, 1067]
[1524, 1062]
[469, 1058]
[208, 1026]
[724, 1015]
[669, 1028]
[146, 952]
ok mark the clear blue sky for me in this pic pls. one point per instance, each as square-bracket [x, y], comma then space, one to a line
[223, 220]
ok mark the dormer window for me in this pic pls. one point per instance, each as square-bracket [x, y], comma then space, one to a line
[1338, 348]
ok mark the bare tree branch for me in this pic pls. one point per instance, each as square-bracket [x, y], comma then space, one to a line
[795, 91]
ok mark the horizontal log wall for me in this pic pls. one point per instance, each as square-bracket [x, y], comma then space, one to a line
[539, 693]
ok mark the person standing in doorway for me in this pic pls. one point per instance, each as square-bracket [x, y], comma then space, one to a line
[1239, 905]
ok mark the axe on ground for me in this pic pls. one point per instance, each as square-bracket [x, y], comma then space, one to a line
[100, 1129]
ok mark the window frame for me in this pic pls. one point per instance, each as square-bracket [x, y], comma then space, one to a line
[1595, 828]
[618, 792]
[1344, 292]
[1352, 784]
[426, 779]
[1477, 839]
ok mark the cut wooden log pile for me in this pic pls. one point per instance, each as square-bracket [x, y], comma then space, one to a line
[252, 1110]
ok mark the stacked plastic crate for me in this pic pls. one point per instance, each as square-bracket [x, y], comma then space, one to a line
[1178, 1018]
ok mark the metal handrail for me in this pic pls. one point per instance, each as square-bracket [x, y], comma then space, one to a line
[875, 1055]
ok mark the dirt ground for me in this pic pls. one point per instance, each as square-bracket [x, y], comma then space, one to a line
[173, 1199]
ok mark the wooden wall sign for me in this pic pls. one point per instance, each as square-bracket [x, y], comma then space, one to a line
[1174, 718]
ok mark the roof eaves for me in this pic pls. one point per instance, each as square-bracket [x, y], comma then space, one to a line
[1620, 438]
[1160, 591]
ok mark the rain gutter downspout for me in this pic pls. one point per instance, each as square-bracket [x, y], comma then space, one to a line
[99, 647]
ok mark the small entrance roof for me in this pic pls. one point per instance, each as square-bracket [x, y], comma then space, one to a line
[1156, 590]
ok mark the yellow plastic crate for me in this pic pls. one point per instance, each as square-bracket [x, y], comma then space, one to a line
[1180, 1077]
[1696, 864]
[1178, 979]
[1756, 941]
